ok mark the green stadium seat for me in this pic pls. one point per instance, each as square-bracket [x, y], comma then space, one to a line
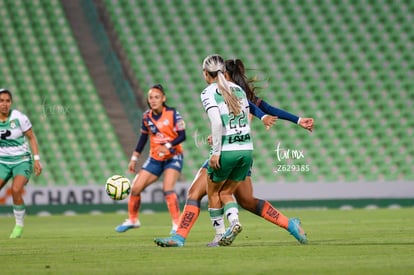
[49, 81]
[335, 61]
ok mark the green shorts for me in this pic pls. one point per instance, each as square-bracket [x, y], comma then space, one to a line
[24, 168]
[234, 165]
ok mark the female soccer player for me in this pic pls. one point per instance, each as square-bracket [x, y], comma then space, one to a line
[16, 135]
[166, 130]
[235, 71]
[231, 157]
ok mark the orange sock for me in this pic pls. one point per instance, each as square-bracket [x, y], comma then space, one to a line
[188, 217]
[271, 214]
[173, 205]
[134, 204]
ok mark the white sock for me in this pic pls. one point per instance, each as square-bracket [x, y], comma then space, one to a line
[220, 226]
[217, 220]
[19, 215]
[231, 212]
[174, 226]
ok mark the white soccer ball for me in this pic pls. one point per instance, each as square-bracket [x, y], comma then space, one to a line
[117, 187]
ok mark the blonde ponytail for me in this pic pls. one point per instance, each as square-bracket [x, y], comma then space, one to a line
[231, 100]
[215, 66]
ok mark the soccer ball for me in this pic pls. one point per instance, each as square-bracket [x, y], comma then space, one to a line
[117, 187]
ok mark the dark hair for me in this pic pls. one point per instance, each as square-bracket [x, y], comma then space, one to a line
[159, 87]
[5, 91]
[235, 69]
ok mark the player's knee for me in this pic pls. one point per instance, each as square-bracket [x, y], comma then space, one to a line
[247, 204]
[195, 194]
[16, 190]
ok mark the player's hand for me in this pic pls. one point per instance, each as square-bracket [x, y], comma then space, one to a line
[214, 161]
[131, 166]
[37, 167]
[268, 121]
[163, 150]
[306, 123]
[210, 140]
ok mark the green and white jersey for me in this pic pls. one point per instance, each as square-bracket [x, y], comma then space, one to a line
[235, 129]
[14, 147]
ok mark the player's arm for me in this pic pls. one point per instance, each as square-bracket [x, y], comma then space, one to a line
[179, 127]
[268, 120]
[140, 144]
[29, 134]
[254, 110]
[306, 123]
[213, 113]
[179, 139]
[216, 135]
[138, 149]
[142, 141]
[169, 146]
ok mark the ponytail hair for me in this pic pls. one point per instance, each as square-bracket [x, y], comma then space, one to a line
[236, 71]
[215, 67]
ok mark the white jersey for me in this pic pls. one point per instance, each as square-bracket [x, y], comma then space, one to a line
[235, 129]
[13, 144]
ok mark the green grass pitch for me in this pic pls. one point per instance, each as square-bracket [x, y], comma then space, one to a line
[356, 241]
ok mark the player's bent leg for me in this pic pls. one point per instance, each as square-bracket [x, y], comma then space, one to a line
[19, 208]
[231, 212]
[132, 222]
[244, 196]
[191, 209]
[188, 218]
[2, 183]
[19, 212]
[141, 181]
[173, 206]
[190, 212]
[171, 175]
[259, 207]
[271, 214]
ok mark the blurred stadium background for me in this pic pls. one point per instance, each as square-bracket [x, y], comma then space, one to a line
[80, 69]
